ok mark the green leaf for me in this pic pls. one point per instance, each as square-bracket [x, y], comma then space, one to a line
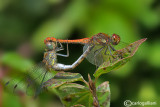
[103, 93]
[73, 95]
[62, 78]
[122, 57]
[15, 61]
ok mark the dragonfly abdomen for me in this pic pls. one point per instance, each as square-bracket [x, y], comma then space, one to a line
[77, 41]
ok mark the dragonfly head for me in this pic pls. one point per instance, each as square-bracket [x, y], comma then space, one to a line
[115, 39]
[50, 46]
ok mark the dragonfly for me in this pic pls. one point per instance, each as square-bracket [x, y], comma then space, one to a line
[33, 81]
[103, 47]
[50, 57]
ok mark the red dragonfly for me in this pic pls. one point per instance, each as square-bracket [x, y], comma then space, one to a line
[103, 46]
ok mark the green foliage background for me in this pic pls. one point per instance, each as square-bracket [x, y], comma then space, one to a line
[24, 24]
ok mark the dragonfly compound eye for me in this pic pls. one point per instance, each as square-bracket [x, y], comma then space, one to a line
[49, 45]
[115, 39]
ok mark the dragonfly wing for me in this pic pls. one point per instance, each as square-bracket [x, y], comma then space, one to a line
[96, 56]
[35, 78]
[30, 83]
[15, 85]
[100, 54]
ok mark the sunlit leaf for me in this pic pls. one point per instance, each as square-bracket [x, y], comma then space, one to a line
[72, 94]
[123, 56]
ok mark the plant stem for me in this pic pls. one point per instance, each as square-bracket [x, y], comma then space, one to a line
[92, 88]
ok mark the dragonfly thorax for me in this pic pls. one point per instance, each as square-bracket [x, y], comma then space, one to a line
[101, 39]
[50, 58]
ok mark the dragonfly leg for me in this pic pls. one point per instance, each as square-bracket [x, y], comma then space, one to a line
[112, 48]
[98, 50]
[110, 53]
[62, 54]
[59, 48]
[109, 47]
[109, 50]
[62, 67]
[113, 56]
[106, 51]
[119, 55]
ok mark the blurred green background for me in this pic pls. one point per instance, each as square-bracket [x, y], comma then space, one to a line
[24, 24]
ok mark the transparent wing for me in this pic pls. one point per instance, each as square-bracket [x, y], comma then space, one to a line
[100, 54]
[95, 56]
[35, 78]
[16, 85]
[31, 82]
